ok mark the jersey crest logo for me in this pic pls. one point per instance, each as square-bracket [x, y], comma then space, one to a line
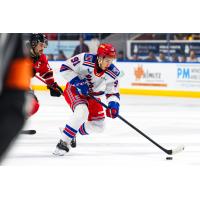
[88, 58]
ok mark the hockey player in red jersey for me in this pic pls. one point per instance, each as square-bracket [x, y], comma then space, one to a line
[41, 66]
[89, 74]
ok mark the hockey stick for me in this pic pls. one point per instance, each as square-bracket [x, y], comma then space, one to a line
[167, 151]
[44, 82]
[28, 132]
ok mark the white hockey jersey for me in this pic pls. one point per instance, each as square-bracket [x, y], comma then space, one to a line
[83, 66]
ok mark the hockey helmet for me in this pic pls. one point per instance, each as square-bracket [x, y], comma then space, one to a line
[106, 50]
[36, 38]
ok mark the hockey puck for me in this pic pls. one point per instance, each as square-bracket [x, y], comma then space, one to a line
[169, 158]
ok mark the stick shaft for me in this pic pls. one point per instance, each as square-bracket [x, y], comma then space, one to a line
[44, 82]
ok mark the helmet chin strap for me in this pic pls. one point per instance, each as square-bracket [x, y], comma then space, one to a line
[100, 61]
[33, 52]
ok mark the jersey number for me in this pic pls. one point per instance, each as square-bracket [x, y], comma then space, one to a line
[75, 61]
[116, 83]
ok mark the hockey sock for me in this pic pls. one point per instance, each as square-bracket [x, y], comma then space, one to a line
[79, 116]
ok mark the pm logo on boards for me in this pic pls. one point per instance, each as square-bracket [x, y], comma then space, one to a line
[183, 73]
[188, 74]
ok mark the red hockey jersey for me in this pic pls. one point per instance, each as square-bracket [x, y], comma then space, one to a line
[42, 67]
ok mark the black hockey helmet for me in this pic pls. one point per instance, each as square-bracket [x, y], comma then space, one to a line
[36, 38]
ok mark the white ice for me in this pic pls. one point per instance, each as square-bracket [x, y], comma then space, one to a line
[169, 121]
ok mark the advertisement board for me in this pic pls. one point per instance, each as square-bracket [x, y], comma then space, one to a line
[165, 79]
[165, 76]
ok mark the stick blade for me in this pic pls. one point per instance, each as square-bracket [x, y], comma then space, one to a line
[28, 132]
[178, 149]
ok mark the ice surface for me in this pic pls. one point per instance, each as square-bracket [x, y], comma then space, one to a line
[120, 152]
[168, 121]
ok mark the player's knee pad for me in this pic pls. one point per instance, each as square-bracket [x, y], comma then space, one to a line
[79, 116]
[81, 112]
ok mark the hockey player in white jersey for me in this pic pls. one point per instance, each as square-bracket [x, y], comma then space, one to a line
[89, 74]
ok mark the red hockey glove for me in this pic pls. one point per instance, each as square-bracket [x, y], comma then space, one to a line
[113, 109]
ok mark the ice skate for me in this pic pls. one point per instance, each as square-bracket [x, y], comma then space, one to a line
[61, 148]
[73, 143]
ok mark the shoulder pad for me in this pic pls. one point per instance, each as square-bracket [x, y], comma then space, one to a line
[90, 58]
[112, 68]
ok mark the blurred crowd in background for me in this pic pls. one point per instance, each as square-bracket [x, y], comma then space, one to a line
[159, 47]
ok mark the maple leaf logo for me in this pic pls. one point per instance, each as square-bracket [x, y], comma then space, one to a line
[138, 72]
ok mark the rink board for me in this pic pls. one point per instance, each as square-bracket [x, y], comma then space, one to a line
[139, 78]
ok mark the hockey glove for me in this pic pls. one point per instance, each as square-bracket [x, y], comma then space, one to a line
[81, 86]
[113, 109]
[55, 90]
